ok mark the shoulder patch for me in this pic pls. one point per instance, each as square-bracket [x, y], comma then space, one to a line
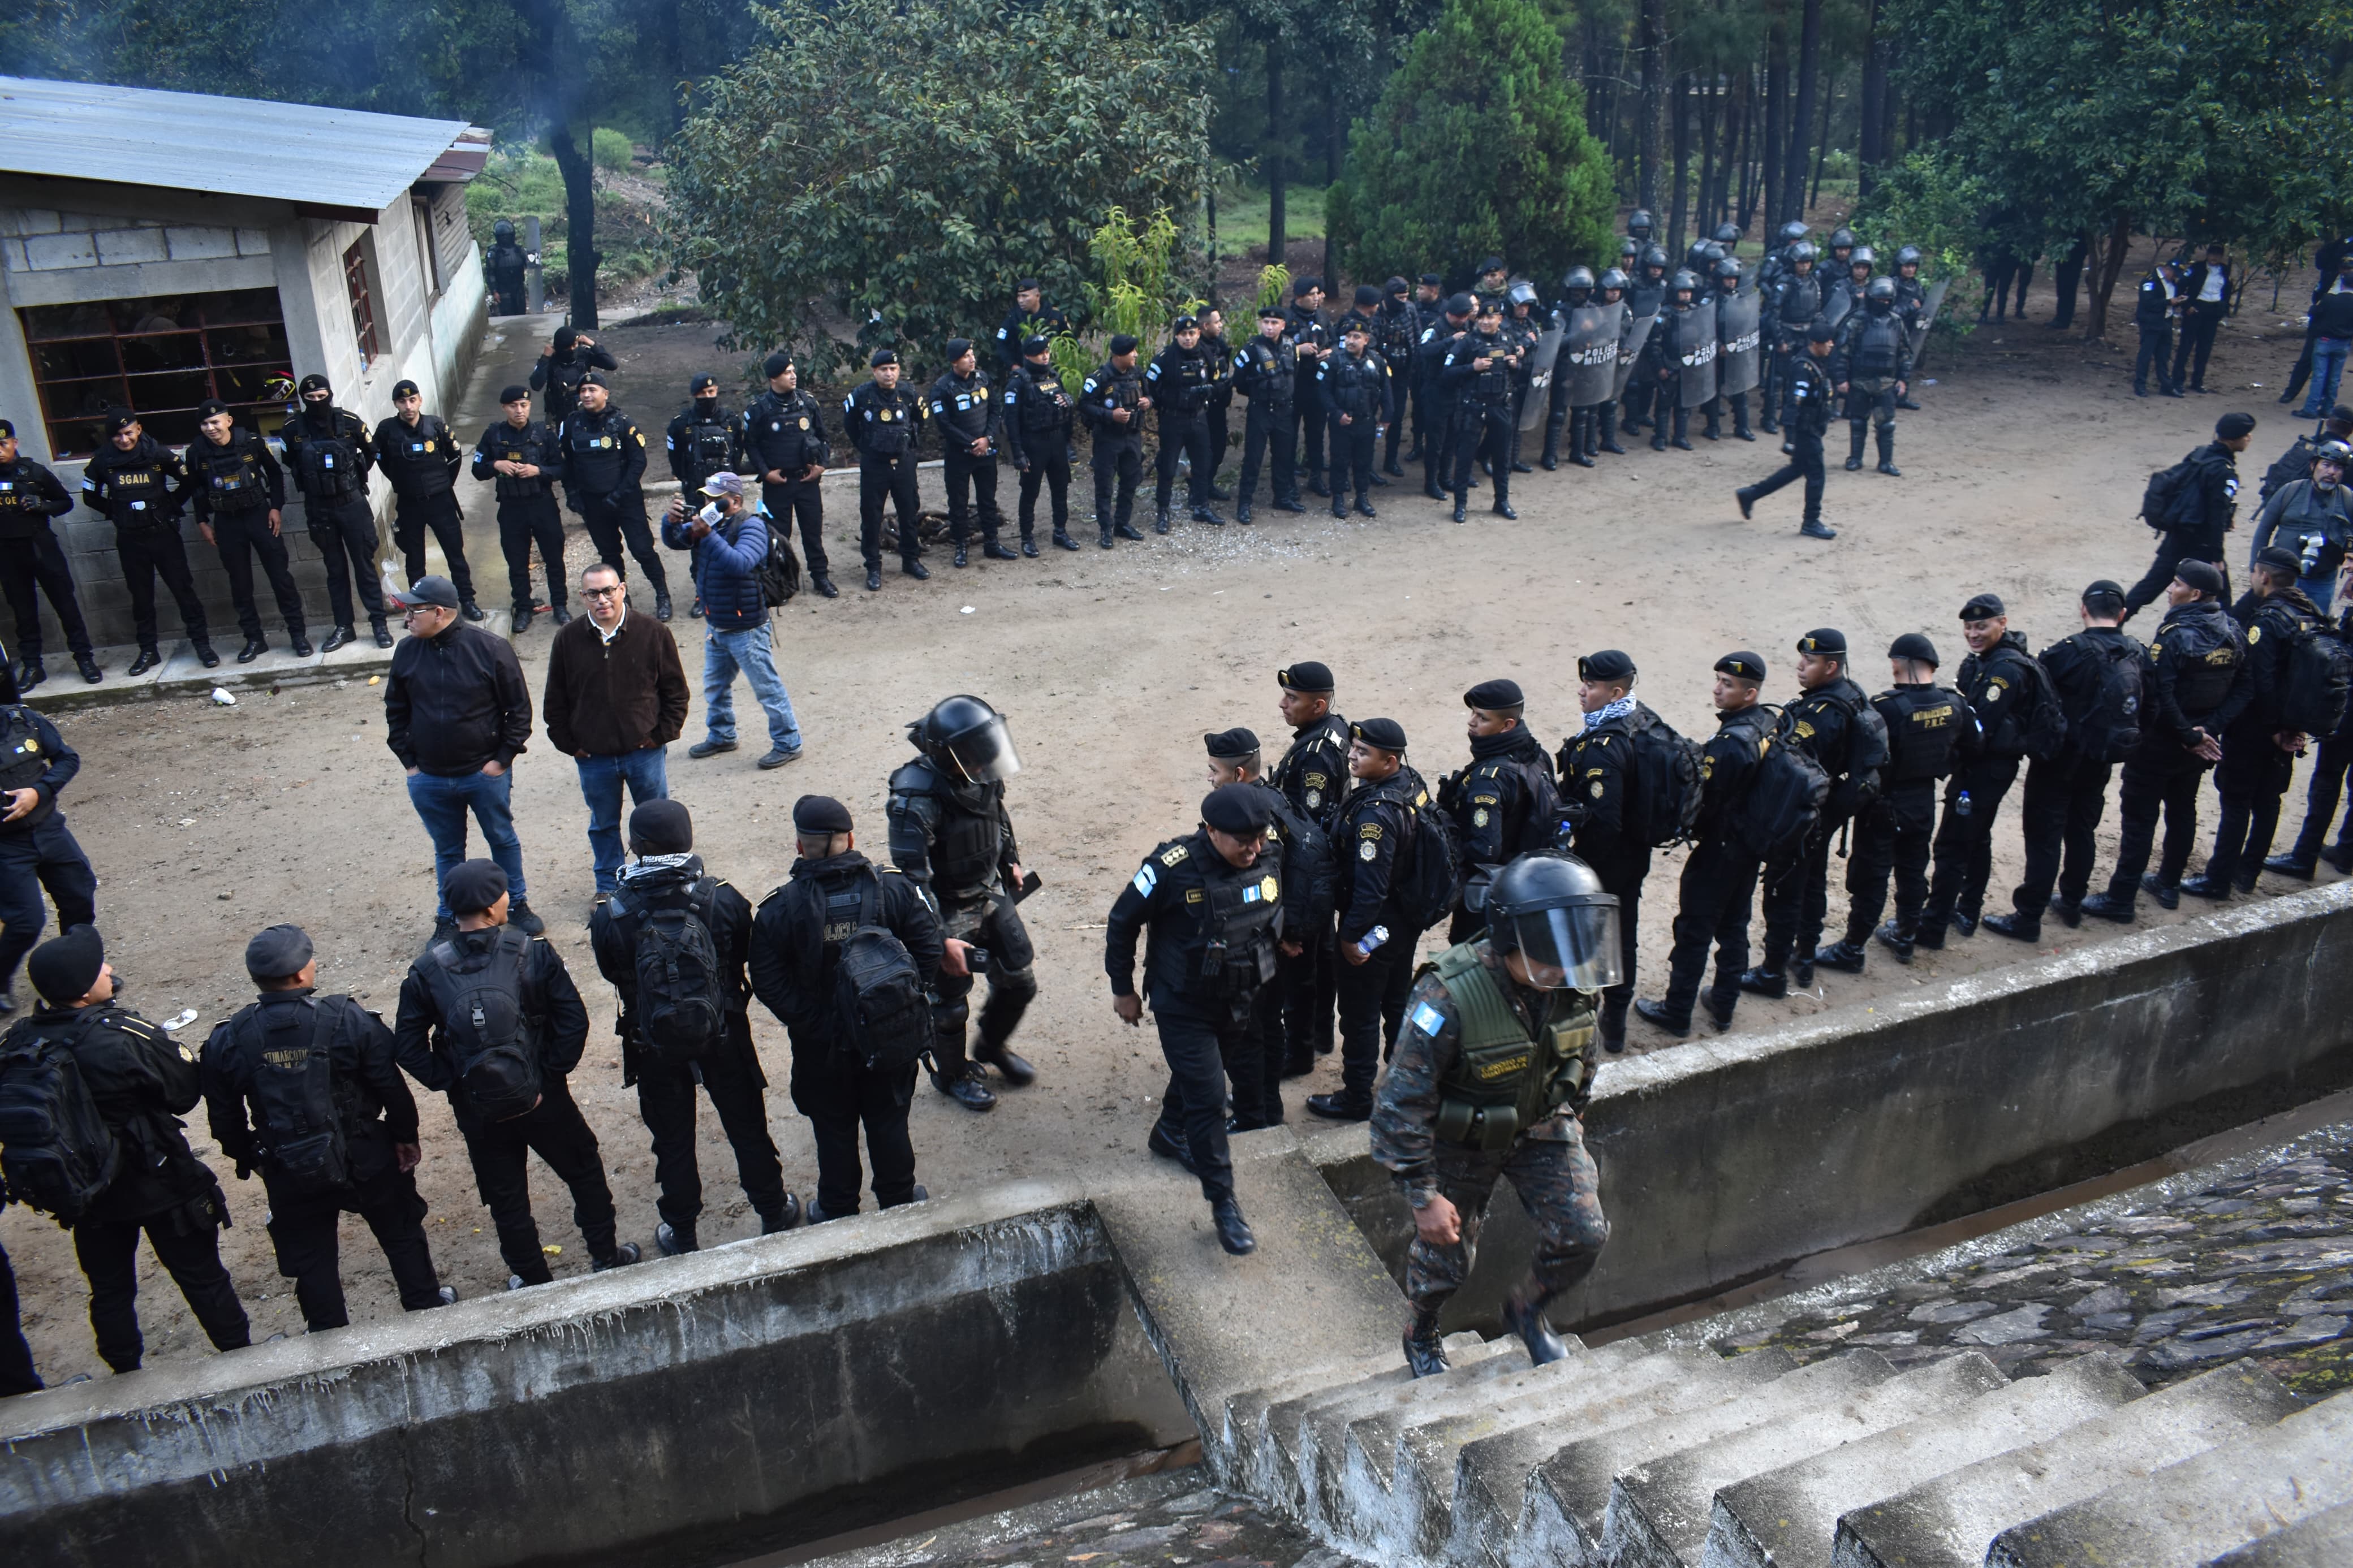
[1146, 878]
[1428, 1019]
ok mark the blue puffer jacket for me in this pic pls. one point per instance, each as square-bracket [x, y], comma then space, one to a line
[726, 569]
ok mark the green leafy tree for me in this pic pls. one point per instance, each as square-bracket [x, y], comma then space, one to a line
[1477, 144]
[899, 163]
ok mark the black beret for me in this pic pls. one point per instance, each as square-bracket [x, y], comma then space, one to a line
[1912, 644]
[401, 389]
[1433, 279]
[777, 363]
[204, 410]
[1492, 264]
[566, 335]
[120, 419]
[1231, 745]
[1023, 285]
[880, 358]
[703, 382]
[517, 392]
[1356, 325]
[65, 967]
[1983, 608]
[1494, 694]
[595, 378]
[1386, 733]
[473, 885]
[2202, 575]
[1821, 331]
[1396, 285]
[2231, 427]
[277, 953]
[1307, 675]
[1823, 639]
[1033, 346]
[1122, 344]
[2104, 593]
[1744, 664]
[1237, 808]
[1273, 313]
[1461, 304]
[314, 382]
[1303, 287]
[1367, 295]
[1609, 664]
[661, 826]
[820, 814]
[2279, 560]
[7, 430]
[958, 348]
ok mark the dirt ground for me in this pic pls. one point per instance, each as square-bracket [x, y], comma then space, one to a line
[2021, 475]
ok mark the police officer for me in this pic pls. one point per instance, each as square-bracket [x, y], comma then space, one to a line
[964, 409]
[136, 483]
[1494, 1068]
[2205, 511]
[1030, 316]
[1575, 294]
[1112, 402]
[1428, 308]
[239, 492]
[1719, 877]
[1601, 799]
[29, 496]
[1479, 367]
[2259, 748]
[604, 468]
[1663, 365]
[795, 956]
[883, 420]
[1179, 384]
[506, 264]
[1871, 366]
[1312, 776]
[1792, 304]
[2196, 684]
[330, 452]
[1911, 303]
[1310, 339]
[1440, 397]
[1039, 415]
[37, 853]
[1727, 285]
[490, 1015]
[2016, 711]
[701, 440]
[1370, 843]
[1809, 394]
[660, 901]
[1841, 248]
[1266, 372]
[1931, 732]
[142, 1082]
[1503, 801]
[781, 438]
[2097, 675]
[951, 835]
[1846, 288]
[1397, 327]
[1218, 355]
[1646, 299]
[563, 365]
[1835, 723]
[420, 455]
[1213, 900]
[519, 458]
[1492, 282]
[1640, 227]
[305, 1089]
[1256, 1071]
[1353, 384]
[1601, 426]
[1524, 328]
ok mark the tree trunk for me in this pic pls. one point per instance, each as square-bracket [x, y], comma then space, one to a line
[1335, 153]
[1676, 202]
[2108, 265]
[1271, 155]
[1732, 182]
[1749, 130]
[1801, 117]
[1775, 153]
[1654, 36]
[580, 222]
[1701, 223]
[1869, 149]
[1822, 147]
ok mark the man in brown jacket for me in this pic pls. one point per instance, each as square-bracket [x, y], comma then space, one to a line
[616, 698]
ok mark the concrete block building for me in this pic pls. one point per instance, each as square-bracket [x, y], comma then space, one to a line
[159, 249]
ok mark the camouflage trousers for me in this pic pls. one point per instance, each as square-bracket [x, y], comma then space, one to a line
[1559, 1186]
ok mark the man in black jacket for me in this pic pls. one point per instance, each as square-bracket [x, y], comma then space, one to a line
[604, 473]
[37, 853]
[142, 1081]
[2201, 515]
[1179, 383]
[2195, 688]
[1503, 801]
[2010, 695]
[2206, 300]
[507, 1091]
[240, 496]
[419, 455]
[274, 1076]
[1039, 417]
[2260, 747]
[1371, 841]
[1112, 404]
[563, 365]
[782, 438]
[30, 496]
[795, 960]
[329, 451]
[136, 483]
[2155, 307]
[963, 408]
[1266, 372]
[661, 898]
[1598, 791]
[519, 458]
[883, 420]
[456, 714]
[1312, 775]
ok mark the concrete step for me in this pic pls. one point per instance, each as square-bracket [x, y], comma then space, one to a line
[1565, 1499]
[1948, 1522]
[1659, 1510]
[1788, 1518]
[2324, 1541]
[2204, 1507]
[1245, 1420]
[1491, 1475]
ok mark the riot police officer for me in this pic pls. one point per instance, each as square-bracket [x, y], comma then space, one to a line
[2017, 710]
[1439, 397]
[1576, 294]
[1396, 329]
[1872, 365]
[1373, 839]
[1791, 307]
[29, 496]
[1604, 804]
[136, 483]
[1669, 355]
[1602, 429]
[1111, 402]
[1646, 300]
[420, 455]
[1931, 732]
[1503, 801]
[952, 836]
[563, 365]
[883, 419]
[604, 463]
[1353, 383]
[239, 491]
[1213, 900]
[1310, 339]
[1807, 395]
[1731, 344]
[1493, 1068]
[1842, 247]
[1179, 384]
[330, 452]
[1428, 308]
[1479, 367]
[37, 853]
[1039, 415]
[1640, 227]
[519, 458]
[1314, 777]
[1524, 328]
[1847, 282]
[506, 264]
[1266, 372]
[1911, 303]
[781, 438]
[963, 409]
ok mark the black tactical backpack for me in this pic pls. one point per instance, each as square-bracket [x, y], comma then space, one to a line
[681, 1008]
[2318, 680]
[780, 574]
[484, 1023]
[1786, 789]
[1428, 879]
[57, 1152]
[2111, 731]
[293, 1097]
[1665, 807]
[879, 991]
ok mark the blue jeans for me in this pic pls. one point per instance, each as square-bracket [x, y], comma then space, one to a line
[2327, 369]
[442, 805]
[753, 651]
[601, 778]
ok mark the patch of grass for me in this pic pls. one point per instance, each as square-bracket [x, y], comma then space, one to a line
[1242, 216]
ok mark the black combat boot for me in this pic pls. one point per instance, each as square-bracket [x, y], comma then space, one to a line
[1029, 544]
[1580, 439]
[1763, 981]
[1525, 1318]
[1814, 528]
[1608, 422]
[1855, 435]
[2019, 928]
[1655, 1013]
[1682, 441]
[1740, 430]
[1233, 1231]
[1659, 436]
[1887, 452]
[1846, 957]
[1747, 499]
[1160, 521]
[1062, 540]
[1550, 462]
[1425, 1352]
[1898, 941]
[1714, 431]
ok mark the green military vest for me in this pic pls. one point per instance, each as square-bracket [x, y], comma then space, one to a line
[1502, 1082]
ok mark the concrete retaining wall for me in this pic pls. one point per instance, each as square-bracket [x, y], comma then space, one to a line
[1723, 1159]
[958, 1345]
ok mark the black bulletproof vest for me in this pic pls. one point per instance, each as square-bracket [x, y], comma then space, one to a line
[231, 475]
[1040, 401]
[782, 430]
[965, 860]
[1356, 385]
[1875, 345]
[709, 445]
[1801, 301]
[528, 445]
[1238, 952]
[326, 463]
[595, 440]
[1922, 724]
[2205, 657]
[23, 758]
[1493, 384]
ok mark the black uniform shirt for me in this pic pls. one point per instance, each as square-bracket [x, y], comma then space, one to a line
[1313, 771]
[420, 459]
[1366, 843]
[1197, 903]
[372, 1098]
[882, 424]
[611, 938]
[781, 430]
[534, 444]
[143, 487]
[142, 1081]
[604, 454]
[795, 948]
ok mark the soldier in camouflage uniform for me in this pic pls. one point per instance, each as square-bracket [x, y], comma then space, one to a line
[1467, 1099]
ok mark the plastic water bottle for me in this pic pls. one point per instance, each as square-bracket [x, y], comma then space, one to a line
[1961, 803]
[1371, 939]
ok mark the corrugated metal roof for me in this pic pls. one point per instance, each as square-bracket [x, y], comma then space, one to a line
[342, 158]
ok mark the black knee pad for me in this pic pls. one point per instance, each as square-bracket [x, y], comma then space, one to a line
[1014, 985]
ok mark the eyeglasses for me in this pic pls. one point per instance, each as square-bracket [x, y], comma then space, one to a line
[600, 593]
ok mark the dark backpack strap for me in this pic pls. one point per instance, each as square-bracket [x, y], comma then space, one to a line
[870, 899]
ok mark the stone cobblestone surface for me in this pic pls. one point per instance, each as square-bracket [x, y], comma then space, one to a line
[2259, 1265]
